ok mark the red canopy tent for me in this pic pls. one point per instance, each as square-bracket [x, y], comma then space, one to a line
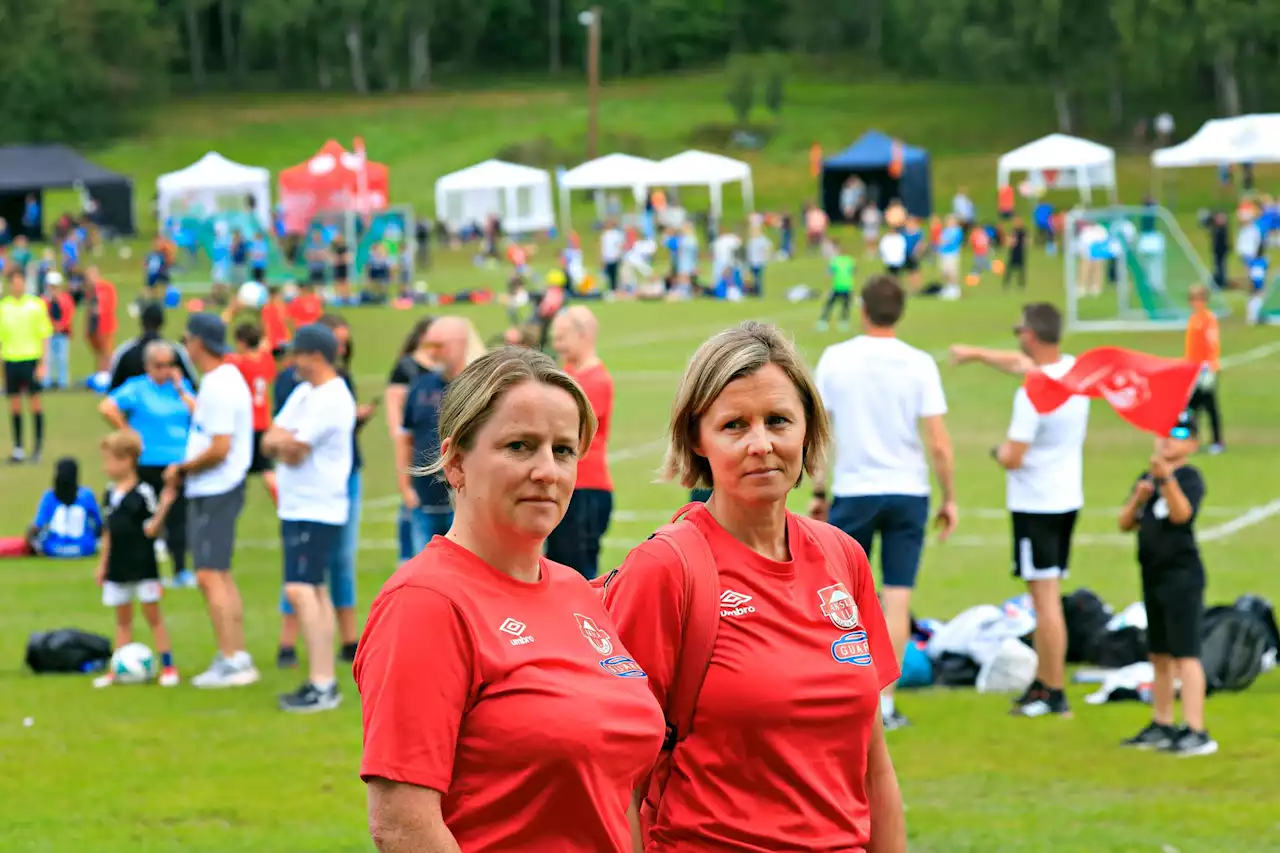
[334, 179]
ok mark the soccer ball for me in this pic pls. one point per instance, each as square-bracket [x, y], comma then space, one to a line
[133, 664]
[252, 294]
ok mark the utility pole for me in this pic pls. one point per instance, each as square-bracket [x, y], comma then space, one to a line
[593, 80]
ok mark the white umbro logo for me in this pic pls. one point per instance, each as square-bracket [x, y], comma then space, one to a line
[515, 628]
[735, 603]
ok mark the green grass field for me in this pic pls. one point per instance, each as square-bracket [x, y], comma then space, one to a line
[130, 770]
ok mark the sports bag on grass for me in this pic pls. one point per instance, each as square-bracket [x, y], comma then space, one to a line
[701, 623]
[66, 650]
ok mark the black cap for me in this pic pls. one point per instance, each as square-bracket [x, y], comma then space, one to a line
[1186, 421]
[316, 338]
[210, 331]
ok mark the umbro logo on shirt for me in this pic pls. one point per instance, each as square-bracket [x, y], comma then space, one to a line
[735, 604]
[516, 629]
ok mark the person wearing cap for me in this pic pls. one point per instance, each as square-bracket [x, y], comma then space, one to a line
[1163, 507]
[312, 440]
[219, 451]
[129, 359]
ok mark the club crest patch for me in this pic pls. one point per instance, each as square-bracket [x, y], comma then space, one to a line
[623, 667]
[598, 639]
[852, 648]
[838, 606]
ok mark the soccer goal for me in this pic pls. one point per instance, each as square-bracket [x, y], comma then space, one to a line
[1129, 269]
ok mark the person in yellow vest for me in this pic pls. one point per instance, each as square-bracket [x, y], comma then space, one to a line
[25, 330]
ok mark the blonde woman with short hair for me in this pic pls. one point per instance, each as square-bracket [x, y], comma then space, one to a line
[501, 712]
[787, 749]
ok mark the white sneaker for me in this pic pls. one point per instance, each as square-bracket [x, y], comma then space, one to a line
[169, 677]
[104, 681]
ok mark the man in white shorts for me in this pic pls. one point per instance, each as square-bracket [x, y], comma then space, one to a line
[219, 452]
[1043, 456]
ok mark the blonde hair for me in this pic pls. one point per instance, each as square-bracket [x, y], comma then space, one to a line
[474, 395]
[475, 343]
[123, 444]
[734, 354]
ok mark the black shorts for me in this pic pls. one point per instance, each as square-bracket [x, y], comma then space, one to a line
[341, 272]
[259, 274]
[1042, 544]
[912, 264]
[893, 270]
[317, 276]
[308, 548]
[1175, 612]
[20, 378]
[261, 462]
[576, 540]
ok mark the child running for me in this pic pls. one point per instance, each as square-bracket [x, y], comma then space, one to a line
[1163, 508]
[843, 267]
[127, 569]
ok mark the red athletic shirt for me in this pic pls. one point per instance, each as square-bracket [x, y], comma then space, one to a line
[305, 309]
[777, 756]
[105, 293]
[515, 700]
[275, 324]
[593, 469]
[259, 370]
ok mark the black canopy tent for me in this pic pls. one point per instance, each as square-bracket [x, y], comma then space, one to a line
[869, 159]
[32, 169]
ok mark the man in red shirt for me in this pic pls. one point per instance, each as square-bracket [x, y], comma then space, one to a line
[275, 321]
[258, 367]
[306, 307]
[576, 541]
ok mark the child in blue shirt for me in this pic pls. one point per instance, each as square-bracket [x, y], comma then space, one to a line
[68, 521]
[1259, 269]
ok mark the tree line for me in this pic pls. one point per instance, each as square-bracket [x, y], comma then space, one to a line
[79, 70]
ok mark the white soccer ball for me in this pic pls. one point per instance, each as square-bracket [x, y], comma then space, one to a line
[133, 664]
[252, 294]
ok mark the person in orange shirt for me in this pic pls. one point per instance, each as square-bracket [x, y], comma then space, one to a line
[275, 321]
[258, 367]
[103, 323]
[305, 308]
[576, 540]
[501, 712]
[1204, 345]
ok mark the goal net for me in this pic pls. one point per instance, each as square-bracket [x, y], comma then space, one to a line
[1129, 269]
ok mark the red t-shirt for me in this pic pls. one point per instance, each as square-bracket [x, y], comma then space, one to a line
[275, 324]
[305, 309]
[593, 469]
[105, 294]
[515, 700]
[777, 756]
[259, 370]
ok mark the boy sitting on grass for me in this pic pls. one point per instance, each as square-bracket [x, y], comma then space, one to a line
[127, 570]
[1163, 509]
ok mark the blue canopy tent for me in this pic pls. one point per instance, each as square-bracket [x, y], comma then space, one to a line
[869, 159]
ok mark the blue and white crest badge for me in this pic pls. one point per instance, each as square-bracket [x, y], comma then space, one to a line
[838, 606]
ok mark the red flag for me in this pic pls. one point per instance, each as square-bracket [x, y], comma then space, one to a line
[1147, 391]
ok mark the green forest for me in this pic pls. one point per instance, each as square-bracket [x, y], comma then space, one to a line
[84, 71]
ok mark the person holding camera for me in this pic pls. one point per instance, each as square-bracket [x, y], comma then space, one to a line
[1162, 507]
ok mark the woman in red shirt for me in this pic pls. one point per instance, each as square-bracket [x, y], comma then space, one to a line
[786, 750]
[501, 713]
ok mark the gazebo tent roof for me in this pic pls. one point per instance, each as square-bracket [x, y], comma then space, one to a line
[1056, 151]
[1244, 139]
[213, 170]
[492, 174]
[31, 167]
[612, 171]
[699, 168]
[873, 150]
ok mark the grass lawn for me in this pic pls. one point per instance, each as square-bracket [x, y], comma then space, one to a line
[130, 770]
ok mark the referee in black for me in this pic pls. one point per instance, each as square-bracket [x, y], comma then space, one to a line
[128, 360]
[1163, 508]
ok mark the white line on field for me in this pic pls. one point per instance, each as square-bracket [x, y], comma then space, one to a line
[1260, 352]
[1256, 515]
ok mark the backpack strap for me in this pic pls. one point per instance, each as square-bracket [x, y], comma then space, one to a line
[701, 620]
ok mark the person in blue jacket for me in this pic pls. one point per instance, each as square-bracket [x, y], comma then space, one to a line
[68, 522]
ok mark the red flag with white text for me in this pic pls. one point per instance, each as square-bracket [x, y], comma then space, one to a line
[1148, 391]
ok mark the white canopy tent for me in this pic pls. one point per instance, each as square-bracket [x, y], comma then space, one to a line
[1077, 163]
[519, 195]
[1226, 141]
[610, 172]
[212, 176]
[700, 169]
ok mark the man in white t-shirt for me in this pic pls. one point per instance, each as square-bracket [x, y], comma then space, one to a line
[612, 247]
[1043, 456]
[880, 392]
[219, 452]
[312, 439]
[893, 251]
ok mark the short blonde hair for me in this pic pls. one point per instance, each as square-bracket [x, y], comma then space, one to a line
[123, 444]
[734, 354]
[474, 395]
[1198, 291]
